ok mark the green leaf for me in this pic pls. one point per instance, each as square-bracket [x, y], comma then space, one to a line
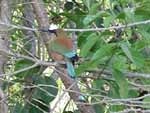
[77, 17]
[94, 8]
[119, 62]
[145, 81]
[116, 108]
[127, 52]
[91, 40]
[38, 106]
[90, 18]
[21, 64]
[114, 92]
[141, 44]
[138, 58]
[85, 66]
[98, 84]
[105, 50]
[121, 16]
[143, 8]
[98, 108]
[147, 102]
[129, 15]
[18, 108]
[144, 33]
[134, 56]
[87, 3]
[133, 93]
[122, 83]
[108, 20]
[45, 93]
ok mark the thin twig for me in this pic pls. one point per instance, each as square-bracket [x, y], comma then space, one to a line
[108, 74]
[133, 110]
[36, 106]
[21, 70]
[81, 30]
[110, 28]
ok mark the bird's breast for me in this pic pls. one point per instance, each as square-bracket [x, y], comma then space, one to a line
[66, 42]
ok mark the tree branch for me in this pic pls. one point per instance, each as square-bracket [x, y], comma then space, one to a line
[110, 28]
[109, 73]
[81, 30]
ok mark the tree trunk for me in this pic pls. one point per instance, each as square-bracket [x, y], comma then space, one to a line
[4, 18]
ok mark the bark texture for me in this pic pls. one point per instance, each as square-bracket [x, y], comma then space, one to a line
[4, 18]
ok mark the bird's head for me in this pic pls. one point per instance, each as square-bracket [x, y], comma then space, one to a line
[58, 32]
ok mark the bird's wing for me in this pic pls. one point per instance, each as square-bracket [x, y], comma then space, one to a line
[63, 46]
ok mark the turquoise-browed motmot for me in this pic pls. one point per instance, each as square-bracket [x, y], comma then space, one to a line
[62, 50]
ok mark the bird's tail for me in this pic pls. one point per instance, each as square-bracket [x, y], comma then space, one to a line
[72, 74]
[70, 69]
[82, 98]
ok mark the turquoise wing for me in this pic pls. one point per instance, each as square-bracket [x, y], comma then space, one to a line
[54, 46]
[59, 48]
[69, 54]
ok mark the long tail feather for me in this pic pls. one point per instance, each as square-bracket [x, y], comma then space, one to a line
[70, 70]
[82, 98]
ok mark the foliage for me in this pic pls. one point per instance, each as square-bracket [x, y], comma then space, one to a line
[106, 56]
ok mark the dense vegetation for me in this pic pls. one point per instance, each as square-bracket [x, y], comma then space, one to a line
[113, 43]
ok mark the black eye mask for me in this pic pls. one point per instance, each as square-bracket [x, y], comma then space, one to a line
[49, 31]
[52, 31]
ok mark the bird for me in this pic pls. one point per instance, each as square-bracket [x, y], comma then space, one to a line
[62, 49]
